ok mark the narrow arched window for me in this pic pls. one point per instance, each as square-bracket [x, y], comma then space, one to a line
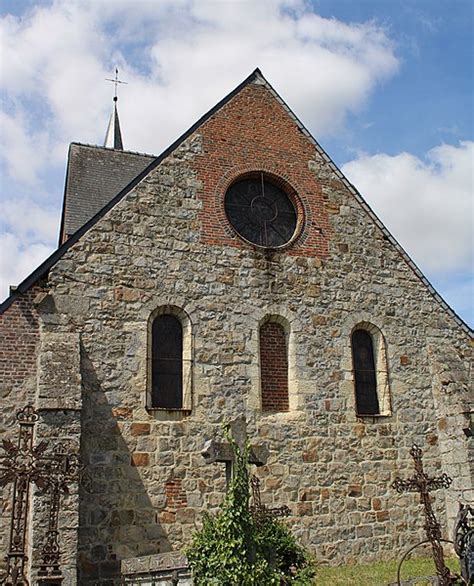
[365, 374]
[273, 367]
[167, 362]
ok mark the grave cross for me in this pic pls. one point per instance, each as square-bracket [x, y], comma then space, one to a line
[260, 511]
[64, 469]
[423, 484]
[222, 451]
[22, 464]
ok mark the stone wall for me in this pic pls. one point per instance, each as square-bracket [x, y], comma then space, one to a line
[166, 244]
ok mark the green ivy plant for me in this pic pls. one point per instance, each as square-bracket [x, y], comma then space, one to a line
[235, 549]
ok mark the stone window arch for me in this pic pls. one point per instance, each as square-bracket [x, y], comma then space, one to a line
[370, 372]
[273, 346]
[169, 360]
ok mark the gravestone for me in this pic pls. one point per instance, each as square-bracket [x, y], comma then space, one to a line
[162, 569]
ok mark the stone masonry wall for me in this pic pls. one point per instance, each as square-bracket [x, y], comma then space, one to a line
[166, 245]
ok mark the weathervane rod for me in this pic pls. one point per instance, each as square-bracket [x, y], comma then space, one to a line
[116, 81]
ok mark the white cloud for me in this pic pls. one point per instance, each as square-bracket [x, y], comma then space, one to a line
[26, 151]
[29, 220]
[179, 58]
[20, 261]
[28, 236]
[426, 204]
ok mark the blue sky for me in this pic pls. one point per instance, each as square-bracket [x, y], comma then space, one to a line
[386, 87]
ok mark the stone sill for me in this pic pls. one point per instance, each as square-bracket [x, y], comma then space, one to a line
[168, 414]
[287, 415]
[375, 416]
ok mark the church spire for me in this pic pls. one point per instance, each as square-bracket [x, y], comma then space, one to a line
[113, 137]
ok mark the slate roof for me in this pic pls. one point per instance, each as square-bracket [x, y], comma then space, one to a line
[255, 77]
[94, 176]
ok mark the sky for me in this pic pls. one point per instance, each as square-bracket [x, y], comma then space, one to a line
[385, 86]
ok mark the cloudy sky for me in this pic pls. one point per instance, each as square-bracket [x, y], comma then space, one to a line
[386, 87]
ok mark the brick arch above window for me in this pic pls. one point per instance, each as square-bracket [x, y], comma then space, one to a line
[273, 353]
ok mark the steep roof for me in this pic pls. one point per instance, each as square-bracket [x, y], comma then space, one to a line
[94, 176]
[255, 77]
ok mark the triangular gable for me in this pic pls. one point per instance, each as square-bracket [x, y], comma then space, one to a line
[257, 77]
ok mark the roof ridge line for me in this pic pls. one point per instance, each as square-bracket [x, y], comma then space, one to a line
[56, 255]
[63, 248]
[370, 212]
[104, 148]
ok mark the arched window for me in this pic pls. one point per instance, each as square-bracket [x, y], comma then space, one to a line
[167, 362]
[273, 367]
[365, 373]
[370, 370]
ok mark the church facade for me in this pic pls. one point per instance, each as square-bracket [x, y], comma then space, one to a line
[238, 273]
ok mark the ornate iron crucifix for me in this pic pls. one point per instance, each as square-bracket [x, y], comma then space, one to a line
[423, 484]
[22, 465]
[64, 469]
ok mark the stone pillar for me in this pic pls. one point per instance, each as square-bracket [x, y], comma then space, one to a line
[58, 403]
[454, 403]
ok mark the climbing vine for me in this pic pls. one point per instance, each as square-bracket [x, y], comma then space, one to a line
[235, 549]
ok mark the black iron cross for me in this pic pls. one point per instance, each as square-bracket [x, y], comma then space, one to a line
[116, 81]
[222, 451]
[23, 465]
[423, 484]
[64, 469]
[260, 511]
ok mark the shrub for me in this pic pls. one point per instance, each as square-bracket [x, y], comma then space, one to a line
[234, 548]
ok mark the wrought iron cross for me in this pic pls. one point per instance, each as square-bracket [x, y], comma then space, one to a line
[222, 451]
[423, 484]
[116, 81]
[260, 511]
[65, 468]
[22, 464]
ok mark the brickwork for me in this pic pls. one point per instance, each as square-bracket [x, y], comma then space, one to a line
[274, 367]
[167, 244]
[175, 495]
[241, 138]
[19, 334]
[19, 337]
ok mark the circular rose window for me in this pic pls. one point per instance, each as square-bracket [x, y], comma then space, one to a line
[260, 212]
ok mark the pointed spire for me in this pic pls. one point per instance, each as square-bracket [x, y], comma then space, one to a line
[113, 137]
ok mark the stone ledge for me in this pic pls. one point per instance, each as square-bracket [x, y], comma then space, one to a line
[160, 562]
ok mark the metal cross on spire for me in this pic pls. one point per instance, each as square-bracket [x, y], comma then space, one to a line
[113, 136]
[116, 81]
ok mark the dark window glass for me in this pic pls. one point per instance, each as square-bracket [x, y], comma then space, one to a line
[273, 367]
[261, 212]
[364, 373]
[167, 363]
